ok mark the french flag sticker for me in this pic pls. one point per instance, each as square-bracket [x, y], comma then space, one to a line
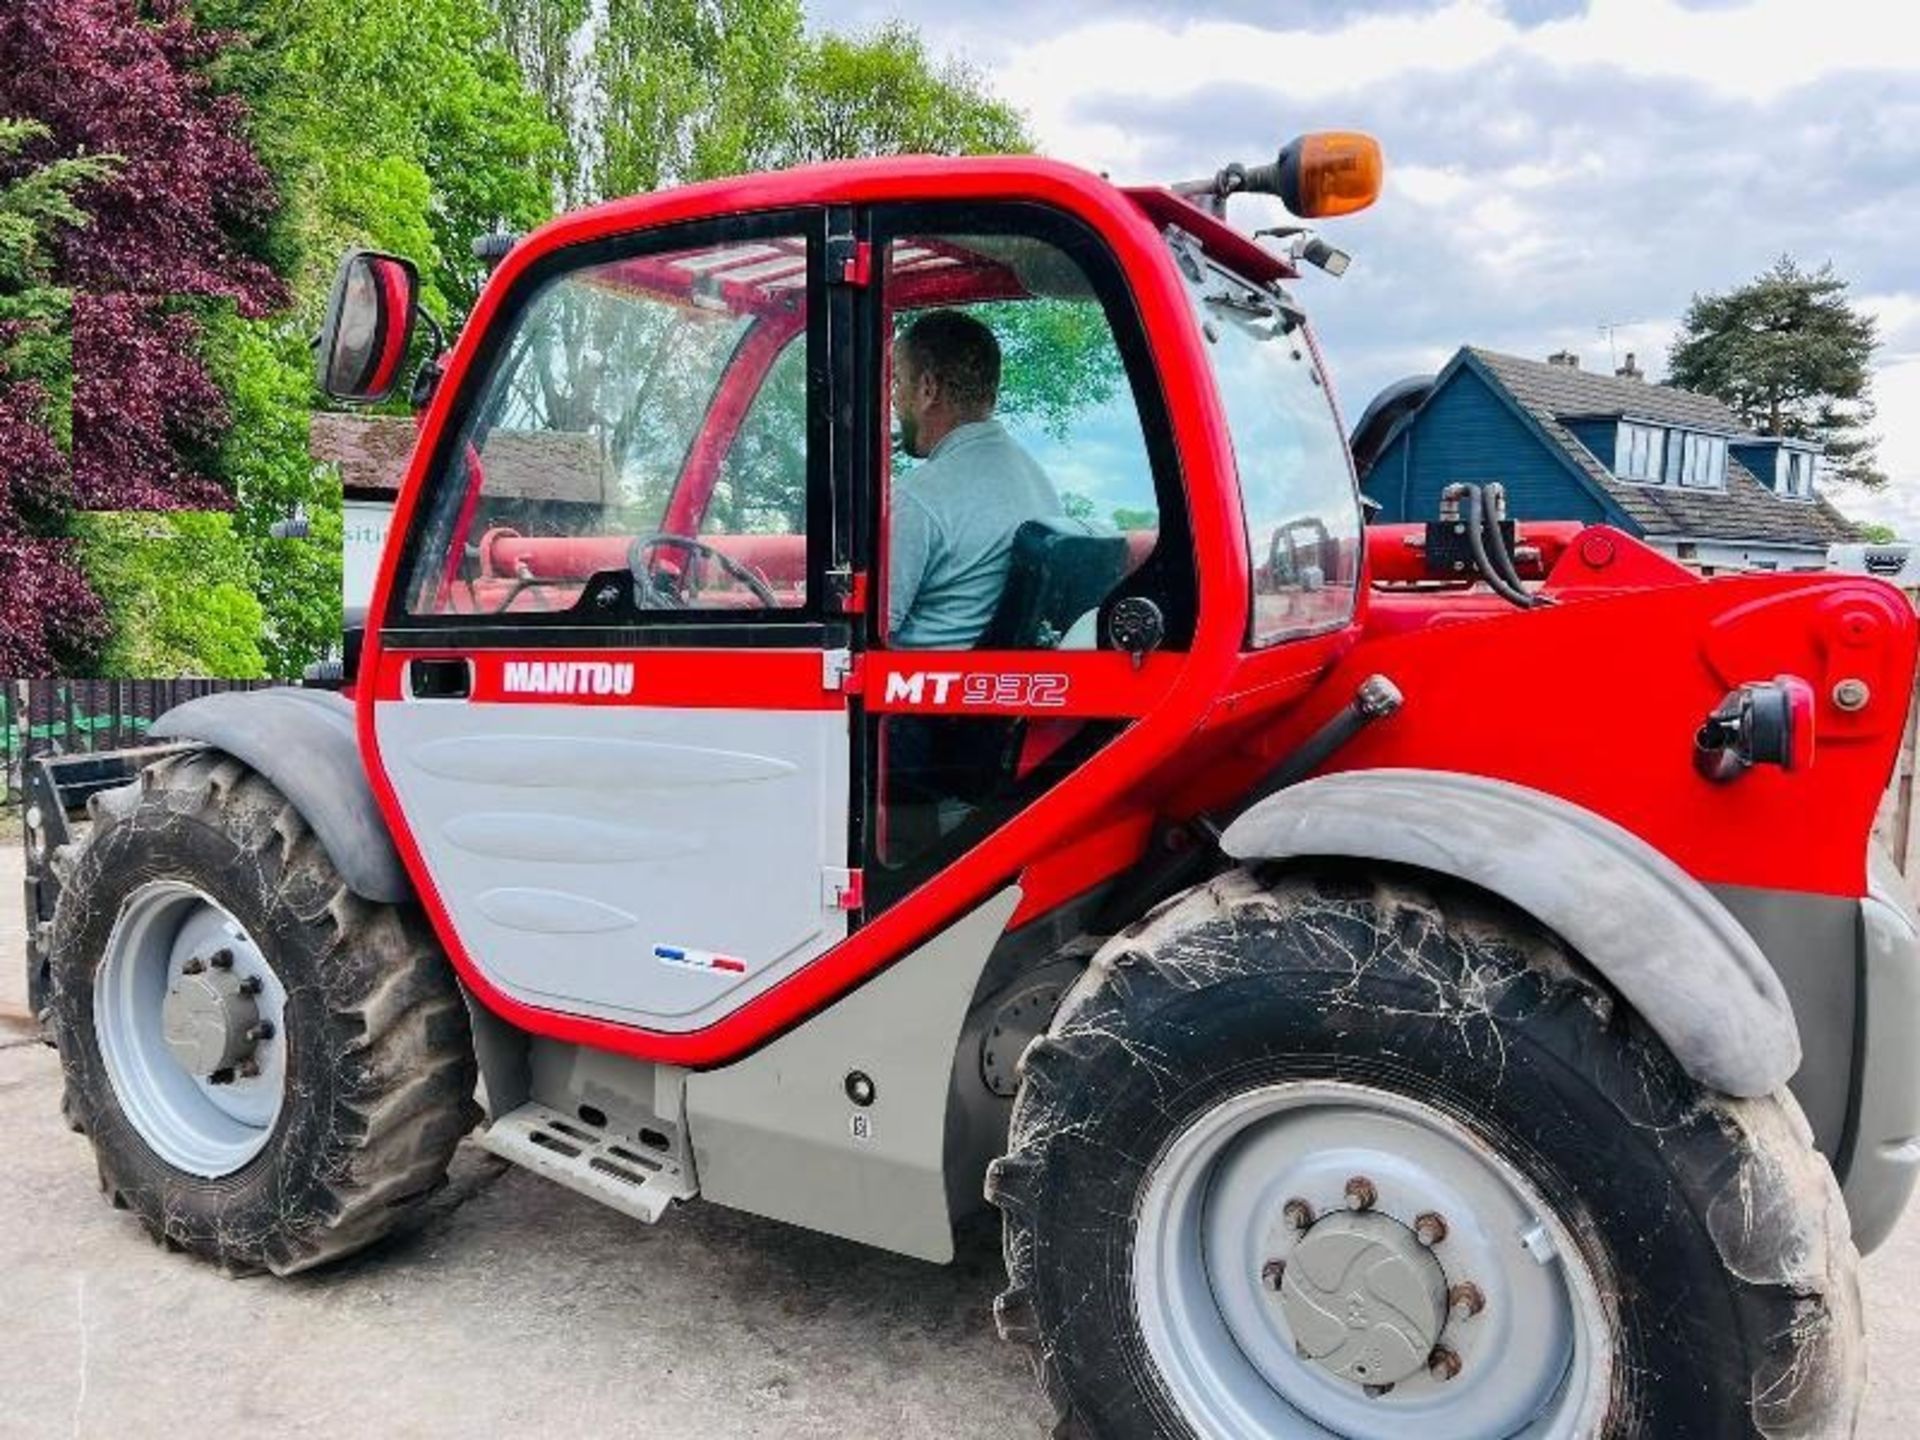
[690, 959]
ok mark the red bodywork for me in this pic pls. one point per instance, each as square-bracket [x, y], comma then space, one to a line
[1595, 699]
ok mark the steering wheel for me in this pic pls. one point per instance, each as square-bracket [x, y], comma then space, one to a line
[643, 578]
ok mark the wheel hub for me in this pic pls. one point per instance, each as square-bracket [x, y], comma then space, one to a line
[1366, 1301]
[210, 1020]
[188, 1015]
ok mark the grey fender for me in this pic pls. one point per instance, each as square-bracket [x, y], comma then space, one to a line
[304, 742]
[1672, 950]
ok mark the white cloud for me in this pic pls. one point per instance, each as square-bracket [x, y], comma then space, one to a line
[1755, 52]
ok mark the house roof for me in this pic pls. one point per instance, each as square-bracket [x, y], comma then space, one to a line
[1747, 509]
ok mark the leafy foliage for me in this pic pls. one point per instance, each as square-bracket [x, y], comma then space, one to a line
[263, 369]
[661, 92]
[185, 211]
[883, 94]
[146, 414]
[177, 593]
[49, 617]
[1791, 357]
[403, 125]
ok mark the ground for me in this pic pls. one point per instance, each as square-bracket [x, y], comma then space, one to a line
[518, 1307]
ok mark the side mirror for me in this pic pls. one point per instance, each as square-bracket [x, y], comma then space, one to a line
[368, 326]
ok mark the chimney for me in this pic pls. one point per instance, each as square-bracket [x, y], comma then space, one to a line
[1630, 371]
[1565, 359]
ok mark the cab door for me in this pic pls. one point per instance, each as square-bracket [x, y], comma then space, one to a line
[1017, 630]
[610, 700]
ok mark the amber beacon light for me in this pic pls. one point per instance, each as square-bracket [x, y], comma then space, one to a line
[1333, 172]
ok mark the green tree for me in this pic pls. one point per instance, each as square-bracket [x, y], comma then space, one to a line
[1791, 357]
[401, 124]
[883, 94]
[545, 38]
[179, 594]
[265, 371]
[1874, 533]
[678, 90]
[688, 89]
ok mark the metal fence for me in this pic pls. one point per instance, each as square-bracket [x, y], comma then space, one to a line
[69, 717]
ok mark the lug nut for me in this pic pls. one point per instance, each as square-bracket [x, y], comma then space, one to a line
[1464, 1301]
[1430, 1229]
[1299, 1214]
[1360, 1193]
[1443, 1364]
[249, 984]
[261, 1031]
[192, 967]
[1272, 1273]
[221, 960]
[1374, 1392]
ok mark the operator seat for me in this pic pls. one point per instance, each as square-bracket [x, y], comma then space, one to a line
[1060, 569]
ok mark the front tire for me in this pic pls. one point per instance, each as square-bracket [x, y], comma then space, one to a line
[273, 1072]
[1230, 1151]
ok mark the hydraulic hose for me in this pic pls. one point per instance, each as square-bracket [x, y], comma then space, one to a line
[1479, 518]
[1497, 545]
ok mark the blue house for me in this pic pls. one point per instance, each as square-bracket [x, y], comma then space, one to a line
[1674, 468]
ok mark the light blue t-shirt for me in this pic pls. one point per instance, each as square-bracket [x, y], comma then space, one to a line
[952, 535]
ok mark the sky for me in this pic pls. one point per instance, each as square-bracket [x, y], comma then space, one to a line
[1561, 174]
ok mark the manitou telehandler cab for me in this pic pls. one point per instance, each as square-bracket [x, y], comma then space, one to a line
[1420, 980]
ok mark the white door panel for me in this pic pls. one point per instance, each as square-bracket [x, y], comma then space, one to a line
[651, 866]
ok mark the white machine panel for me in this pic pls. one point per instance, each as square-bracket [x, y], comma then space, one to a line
[650, 866]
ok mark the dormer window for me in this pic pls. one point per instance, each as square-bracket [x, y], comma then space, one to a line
[1697, 461]
[1662, 454]
[1641, 453]
[1796, 473]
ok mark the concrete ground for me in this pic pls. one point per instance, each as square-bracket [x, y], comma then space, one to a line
[519, 1308]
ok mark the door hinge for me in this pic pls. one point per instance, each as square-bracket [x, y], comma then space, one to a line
[849, 261]
[843, 889]
[839, 670]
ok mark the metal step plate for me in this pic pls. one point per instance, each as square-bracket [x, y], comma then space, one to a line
[612, 1169]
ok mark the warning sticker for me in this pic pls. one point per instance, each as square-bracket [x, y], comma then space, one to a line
[691, 959]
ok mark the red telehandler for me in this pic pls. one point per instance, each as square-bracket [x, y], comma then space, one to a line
[1423, 979]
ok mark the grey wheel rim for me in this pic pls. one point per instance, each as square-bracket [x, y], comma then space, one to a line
[178, 958]
[1287, 1247]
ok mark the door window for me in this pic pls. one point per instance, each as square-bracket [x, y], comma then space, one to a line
[1028, 487]
[1021, 492]
[640, 449]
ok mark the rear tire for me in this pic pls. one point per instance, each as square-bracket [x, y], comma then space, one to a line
[1256, 1040]
[334, 1126]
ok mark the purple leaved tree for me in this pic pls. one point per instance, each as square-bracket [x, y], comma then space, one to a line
[180, 221]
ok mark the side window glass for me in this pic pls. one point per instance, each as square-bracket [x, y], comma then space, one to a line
[1297, 491]
[641, 446]
[1022, 494]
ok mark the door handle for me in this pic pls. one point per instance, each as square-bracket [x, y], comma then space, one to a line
[440, 679]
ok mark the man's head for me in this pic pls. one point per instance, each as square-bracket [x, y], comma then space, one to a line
[946, 373]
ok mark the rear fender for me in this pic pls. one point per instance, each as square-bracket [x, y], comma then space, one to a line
[304, 742]
[1672, 950]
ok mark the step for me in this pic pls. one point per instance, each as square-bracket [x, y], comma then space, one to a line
[612, 1169]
